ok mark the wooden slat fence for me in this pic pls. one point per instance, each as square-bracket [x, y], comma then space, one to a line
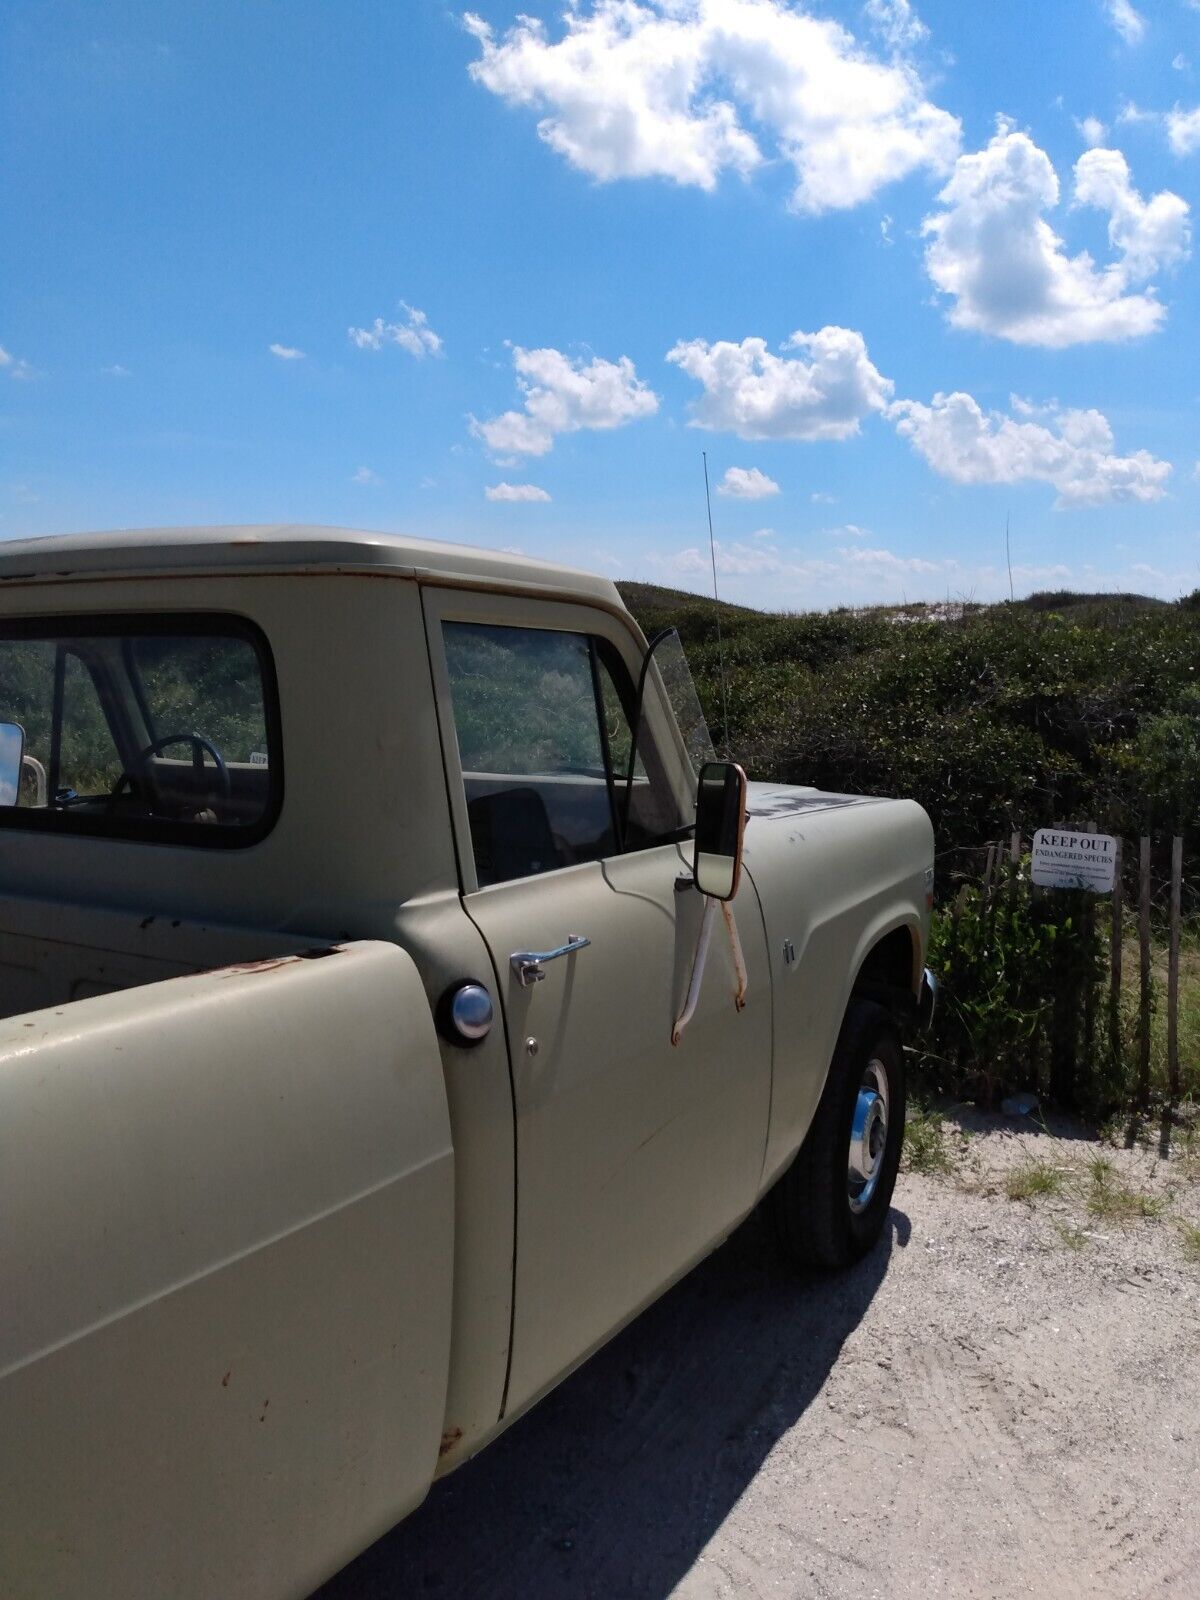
[998, 866]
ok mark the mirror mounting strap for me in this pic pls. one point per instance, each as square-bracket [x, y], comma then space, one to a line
[700, 958]
[739, 960]
[697, 977]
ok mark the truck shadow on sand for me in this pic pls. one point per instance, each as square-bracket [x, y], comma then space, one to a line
[613, 1485]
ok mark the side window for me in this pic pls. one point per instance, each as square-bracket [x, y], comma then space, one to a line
[539, 786]
[544, 738]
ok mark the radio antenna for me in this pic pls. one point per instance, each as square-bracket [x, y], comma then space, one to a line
[712, 550]
[1008, 556]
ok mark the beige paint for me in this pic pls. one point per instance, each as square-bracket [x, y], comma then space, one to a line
[228, 1203]
[633, 1155]
[261, 1161]
[835, 882]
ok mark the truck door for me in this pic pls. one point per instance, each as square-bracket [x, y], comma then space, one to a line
[633, 1155]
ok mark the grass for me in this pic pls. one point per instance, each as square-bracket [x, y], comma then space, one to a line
[926, 1148]
[1034, 1180]
[1115, 1201]
[1189, 1235]
[1187, 1147]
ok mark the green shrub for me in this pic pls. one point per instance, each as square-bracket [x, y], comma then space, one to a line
[1023, 992]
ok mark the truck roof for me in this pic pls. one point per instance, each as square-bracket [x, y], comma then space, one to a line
[282, 547]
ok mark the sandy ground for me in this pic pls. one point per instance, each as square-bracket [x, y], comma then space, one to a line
[1003, 1399]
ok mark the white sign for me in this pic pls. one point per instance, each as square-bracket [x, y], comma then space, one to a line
[1074, 860]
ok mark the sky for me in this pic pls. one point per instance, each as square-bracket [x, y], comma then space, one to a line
[904, 271]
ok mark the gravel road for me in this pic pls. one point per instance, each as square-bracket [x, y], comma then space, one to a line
[1003, 1399]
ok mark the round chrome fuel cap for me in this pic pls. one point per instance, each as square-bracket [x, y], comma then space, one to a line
[471, 1012]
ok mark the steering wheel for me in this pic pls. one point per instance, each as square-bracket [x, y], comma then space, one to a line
[200, 748]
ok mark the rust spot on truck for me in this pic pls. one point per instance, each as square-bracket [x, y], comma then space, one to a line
[271, 963]
[449, 1439]
[257, 966]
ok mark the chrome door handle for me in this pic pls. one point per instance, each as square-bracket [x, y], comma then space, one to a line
[527, 964]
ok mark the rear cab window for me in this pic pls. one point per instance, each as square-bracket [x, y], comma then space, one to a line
[162, 728]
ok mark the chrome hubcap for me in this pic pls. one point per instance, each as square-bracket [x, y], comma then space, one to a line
[868, 1136]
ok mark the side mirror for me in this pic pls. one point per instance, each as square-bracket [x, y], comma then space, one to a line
[12, 753]
[720, 826]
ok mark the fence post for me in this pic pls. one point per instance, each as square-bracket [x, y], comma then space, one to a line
[952, 970]
[1143, 1084]
[986, 898]
[1173, 971]
[1090, 994]
[1115, 932]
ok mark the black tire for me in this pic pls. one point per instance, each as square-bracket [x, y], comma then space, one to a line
[817, 1223]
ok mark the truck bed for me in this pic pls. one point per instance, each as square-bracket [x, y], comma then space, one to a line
[55, 952]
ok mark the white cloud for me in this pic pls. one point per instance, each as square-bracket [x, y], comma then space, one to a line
[365, 477]
[1130, 114]
[747, 483]
[850, 530]
[775, 574]
[515, 491]
[820, 498]
[776, 578]
[1092, 131]
[758, 395]
[563, 396]
[897, 22]
[116, 371]
[14, 366]
[887, 561]
[413, 334]
[992, 251]
[286, 352]
[737, 560]
[1073, 451]
[689, 89]
[1148, 235]
[1130, 24]
[1179, 61]
[1183, 131]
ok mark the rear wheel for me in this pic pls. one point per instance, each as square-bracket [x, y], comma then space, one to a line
[830, 1205]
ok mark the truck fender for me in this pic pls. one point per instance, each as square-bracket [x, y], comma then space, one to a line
[227, 1205]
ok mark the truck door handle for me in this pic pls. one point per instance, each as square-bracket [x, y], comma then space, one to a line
[527, 964]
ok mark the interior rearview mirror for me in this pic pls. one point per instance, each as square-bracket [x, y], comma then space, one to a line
[720, 826]
[12, 753]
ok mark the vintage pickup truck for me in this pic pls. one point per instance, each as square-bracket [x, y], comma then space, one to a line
[398, 997]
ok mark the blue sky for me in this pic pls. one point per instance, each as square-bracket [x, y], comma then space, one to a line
[902, 272]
